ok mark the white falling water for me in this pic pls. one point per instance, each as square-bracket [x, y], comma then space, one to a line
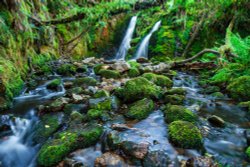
[143, 48]
[125, 45]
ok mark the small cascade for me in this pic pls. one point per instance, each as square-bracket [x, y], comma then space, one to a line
[125, 45]
[143, 48]
[17, 150]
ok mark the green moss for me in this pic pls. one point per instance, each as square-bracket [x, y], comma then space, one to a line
[138, 88]
[101, 93]
[46, 127]
[185, 135]
[97, 68]
[133, 72]
[239, 88]
[53, 151]
[46, 69]
[178, 91]
[217, 95]
[134, 64]
[76, 117]
[159, 80]
[66, 69]
[54, 84]
[87, 81]
[174, 99]
[140, 109]
[109, 74]
[175, 113]
[248, 152]
[101, 103]
[160, 59]
[94, 114]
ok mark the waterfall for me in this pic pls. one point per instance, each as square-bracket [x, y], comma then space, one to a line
[143, 48]
[125, 45]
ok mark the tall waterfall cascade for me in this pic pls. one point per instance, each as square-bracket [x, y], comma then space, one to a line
[143, 48]
[125, 45]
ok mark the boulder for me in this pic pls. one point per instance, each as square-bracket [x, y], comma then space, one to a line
[109, 159]
[216, 121]
[109, 74]
[174, 99]
[200, 162]
[137, 89]
[159, 80]
[54, 84]
[101, 103]
[85, 81]
[140, 109]
[185, 135]
[120, 66]
[133, 72]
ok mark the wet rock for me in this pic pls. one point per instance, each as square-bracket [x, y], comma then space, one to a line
[78, 98]
[101, 93]
[101, 103]
[55, 106]
[137, 150]
[78, 136]
[109, 74]
[142, 60]
[216, 121]
[85, 81]
[120, 66]
[140, 109]
[200, 162]
[136, 89]
[120, 127]
[109, 159]
[76, 117]
[159, 80]
[54, 84]
[217, 95]
[175, 113]
[93, 114]
[69, 108]
[174, 99]
[89, 60]
[70, 163]
[48, 124]
[185, 135]
[68, 85]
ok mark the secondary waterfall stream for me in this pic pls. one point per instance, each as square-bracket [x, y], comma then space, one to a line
[143, 48]
[125, 44]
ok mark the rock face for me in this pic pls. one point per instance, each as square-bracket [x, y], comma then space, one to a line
[185, 135]
[216, 121]
[109, 159]
[136, 89]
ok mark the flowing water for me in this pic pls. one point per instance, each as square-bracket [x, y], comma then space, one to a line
[143, 47]
[16, 147]
[125, 45]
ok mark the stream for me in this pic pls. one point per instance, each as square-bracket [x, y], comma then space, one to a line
[225, 145]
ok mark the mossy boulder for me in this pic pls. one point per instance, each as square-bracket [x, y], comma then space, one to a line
[48, 124]
[54, 84]
[138, 88]
[178, 91]
[175, 113]
[239, 88]
[101, 93]
[140, 109]
[97, 68]
[185, 135]
[76, 117]
[53, 151]
[85, 81]
[93, 114]
[174, 99]
[159, 80]
[66, 69]
[133, 72]
[248, 152]
[101, 103]
[217, 95]
[109, 74]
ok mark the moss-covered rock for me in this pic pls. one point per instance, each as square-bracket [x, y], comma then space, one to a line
[97, 68]
[54, 84]
[133, 72]
[217, 95]
[140, 109]
[53, 151]
[185, 135]
[109, 74]
[159, 80]
[85, 81]
[178, 91]
[76, 117]
[175, 113]
[66, 69]
[174, 99]
[93, 114]
[239, 88]
[245, 105]
[101, 103]
[138, 88]
[101, 93]
[48, 124]
[248, 152]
